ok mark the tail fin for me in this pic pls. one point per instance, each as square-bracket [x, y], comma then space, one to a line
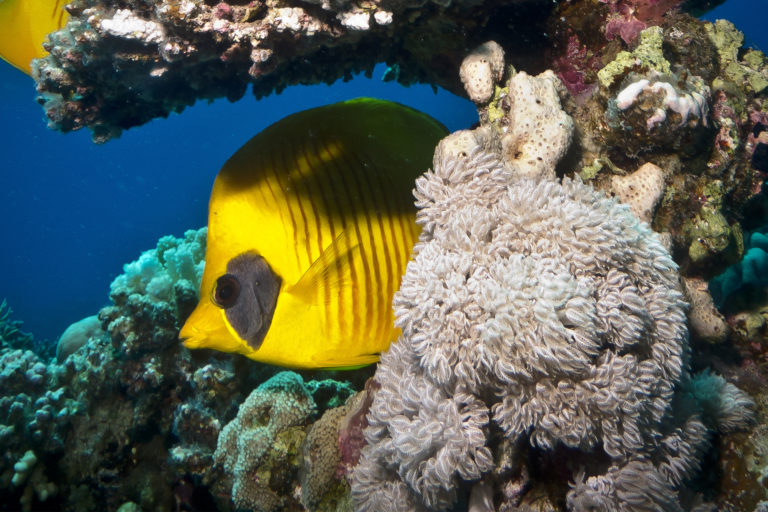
[24, 26]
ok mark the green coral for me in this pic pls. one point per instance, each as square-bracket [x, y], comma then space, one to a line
[495, 111]
[648, 54]
[757, 70]
[710, 233]
[329, 393]
[590, 171]
[751, 71]
[726, 38]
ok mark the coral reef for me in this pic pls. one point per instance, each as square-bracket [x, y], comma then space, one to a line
[77, 335]
[130, 420]
[629, 17]
[481, 70]
[13, 337]
[685, 96]
[706, 322]
[330, 451]
[171, 53]
[272, 446]
[677, 97]
[538, 316]
[263, 443]
[34, 421]
[747, 277]
[110, 404]
[543, 322]
[641, 190]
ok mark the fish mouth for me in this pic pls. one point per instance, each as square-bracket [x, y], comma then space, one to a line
[191, 342]
[190, 338]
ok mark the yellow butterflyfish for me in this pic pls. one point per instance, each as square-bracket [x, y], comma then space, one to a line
[310, 227]
[24, 26]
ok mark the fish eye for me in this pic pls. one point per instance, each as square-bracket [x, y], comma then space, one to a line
[227, 291]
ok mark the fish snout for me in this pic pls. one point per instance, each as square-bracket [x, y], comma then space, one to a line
[190, 336]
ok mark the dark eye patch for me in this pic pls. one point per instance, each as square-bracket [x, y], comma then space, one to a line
[248, 293]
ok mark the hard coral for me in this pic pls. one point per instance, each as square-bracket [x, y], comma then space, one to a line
[260, 447]
[117, 66]
[137, 415]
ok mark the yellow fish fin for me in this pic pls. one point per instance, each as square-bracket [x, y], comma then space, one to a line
[332, 269]
[24, 26]
[353, 363]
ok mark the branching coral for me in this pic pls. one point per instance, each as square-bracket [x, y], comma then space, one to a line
[12, 335]
[157, 291]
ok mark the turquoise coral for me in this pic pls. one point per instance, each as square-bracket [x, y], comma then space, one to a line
[260, 448]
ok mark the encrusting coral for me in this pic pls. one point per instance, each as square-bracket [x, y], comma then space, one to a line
[269, 446]
[174, 52]
[265, 438]
[537, 315]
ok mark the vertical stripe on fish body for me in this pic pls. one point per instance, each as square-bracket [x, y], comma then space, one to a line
[325, 198]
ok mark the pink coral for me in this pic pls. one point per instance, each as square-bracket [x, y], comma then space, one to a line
[572, 68]
[626, 27]
[351, 439]
[223, 11]
[629, 17]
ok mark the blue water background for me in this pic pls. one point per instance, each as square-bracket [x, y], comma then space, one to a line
[72, 213]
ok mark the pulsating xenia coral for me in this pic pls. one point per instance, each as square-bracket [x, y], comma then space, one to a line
[540, 309]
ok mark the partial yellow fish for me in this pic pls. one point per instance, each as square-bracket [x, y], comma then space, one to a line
[310, 227]
[24, 26]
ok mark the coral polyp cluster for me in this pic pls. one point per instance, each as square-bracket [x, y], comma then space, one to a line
[538, 315]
